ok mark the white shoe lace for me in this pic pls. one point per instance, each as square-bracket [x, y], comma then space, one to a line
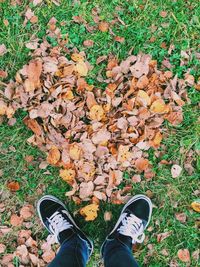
[57, 224]
[133, 227]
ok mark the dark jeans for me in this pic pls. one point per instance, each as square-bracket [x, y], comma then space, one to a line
[74, 253]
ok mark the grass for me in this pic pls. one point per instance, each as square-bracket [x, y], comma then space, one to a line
[142, 19]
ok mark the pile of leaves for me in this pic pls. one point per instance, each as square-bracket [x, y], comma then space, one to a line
[94, 135]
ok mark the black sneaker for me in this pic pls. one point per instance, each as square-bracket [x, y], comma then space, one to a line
[58, 221]
[133, 220]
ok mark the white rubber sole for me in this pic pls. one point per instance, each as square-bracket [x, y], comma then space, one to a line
[50, 197]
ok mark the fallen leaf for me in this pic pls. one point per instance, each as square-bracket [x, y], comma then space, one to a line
[196, 205]
[107, 216]
[77, 57]
[53, 155]
[143, 99]
[119, 39]
[176, 170]
[181, 217]
[68, 175]
[26, 212]
[33, 125]
[184, 255]
[15, 220]
[48, 256]
[3, 74]
[103, 26]
[75, 152]
[163, 14]
[88, 43]
[81, 68]
[2, 248]
[136, 178]
[90, 212]
[141, 164]
[3, 49]
[37, 2]
[96, 113]
[159, 106]
[86, 189]
[162, 236]
[13, 186]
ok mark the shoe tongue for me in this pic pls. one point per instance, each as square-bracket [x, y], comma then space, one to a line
[65, 235]
[129, 213]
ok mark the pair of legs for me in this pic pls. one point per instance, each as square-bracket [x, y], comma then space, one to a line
[76, 247]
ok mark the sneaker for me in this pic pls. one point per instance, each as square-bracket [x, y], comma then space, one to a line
[57, 220]
[133, 220]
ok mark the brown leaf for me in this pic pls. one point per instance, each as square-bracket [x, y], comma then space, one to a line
[103, 26]
[181, 217]
[34, 71]
[3, 49]
[68, 175]
[13, 186]
[26, 212]
[81, 68]
[96, 113]
[184, 255]
[2, 248]
[48, 256]
[136, 178]
[33, 125]
[162, 236]
[86, 189]
[15, 220]
[107, 216]
[159, 106]
[163, 14]
[88, 43]
[3, 74]
[119, 39]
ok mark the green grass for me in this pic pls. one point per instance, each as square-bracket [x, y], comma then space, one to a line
[181, 28]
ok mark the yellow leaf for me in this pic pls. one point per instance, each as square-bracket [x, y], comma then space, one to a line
[156, 140]
[75, 152]
[96, 113]
[196, 205]
[77, 57]
[90, 212]
[159, 106]
[68, 95]
[81, 68]
[68, 175]
[143, 98]
[53, 156]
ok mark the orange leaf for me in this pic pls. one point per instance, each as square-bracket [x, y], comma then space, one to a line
[13, 186]
[53, 156]
[159, 106]
[103, 26]
[90, 212]
[196, 205]
[33, 125]
[156, 140]
[141, 164]
[184, 255]
[34, 71]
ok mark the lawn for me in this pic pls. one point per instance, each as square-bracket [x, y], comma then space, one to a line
[147, 26]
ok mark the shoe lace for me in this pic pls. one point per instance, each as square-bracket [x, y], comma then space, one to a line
[133, 227]
[57, 223]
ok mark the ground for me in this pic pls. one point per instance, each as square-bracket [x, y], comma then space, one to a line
[145, 29]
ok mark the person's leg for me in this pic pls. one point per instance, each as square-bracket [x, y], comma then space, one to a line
[129, 229]
[73, 253]
[76, 247]
[118, 254]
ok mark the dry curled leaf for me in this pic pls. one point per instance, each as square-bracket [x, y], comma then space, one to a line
[184, 255]
[81, 68]
[26, 212]
[159, 106]
[33, 125]
[90, 212]
[88, 43]
[181, 217]
[162, 236]
[141, 164]
[96, 113]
